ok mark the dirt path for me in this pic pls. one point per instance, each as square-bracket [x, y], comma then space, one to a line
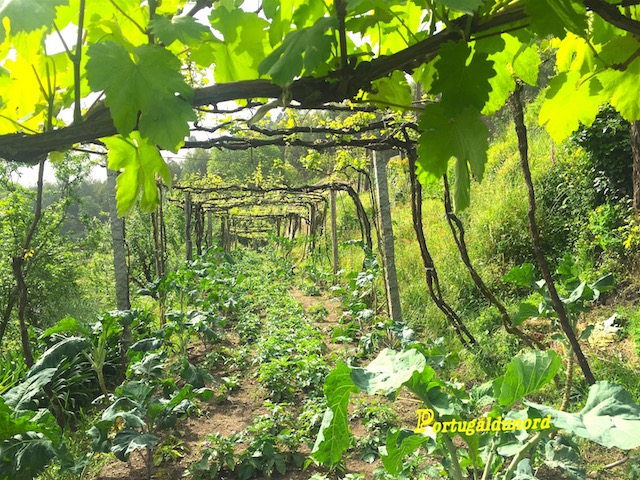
[243, 405]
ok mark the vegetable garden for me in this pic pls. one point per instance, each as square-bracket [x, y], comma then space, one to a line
[346, 239]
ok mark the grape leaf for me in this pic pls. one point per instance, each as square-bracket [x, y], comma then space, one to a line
[230, 66]
[147, 82]
[620, 86]
[513, 58]
[184, 29]
[463, 136]
[140, 161]
[463, 83]
[556, 17]
[244, 33]
[466, 6]
[574, 54]
[425, 74]
[569, 102]
[305, 48]
[394, 91]
[28, 15]
[461, 185]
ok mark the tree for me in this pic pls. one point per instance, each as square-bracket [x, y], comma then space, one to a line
[195, 163]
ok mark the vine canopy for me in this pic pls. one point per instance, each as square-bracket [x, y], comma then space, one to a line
[135, 76]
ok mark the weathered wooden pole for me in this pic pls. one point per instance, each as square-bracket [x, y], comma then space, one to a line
[209, 236]
[334, 234]
[386, 228]
[187, 226]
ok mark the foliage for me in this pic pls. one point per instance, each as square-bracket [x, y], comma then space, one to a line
[141, 408]
[609, 152]
[525, 375]
[217, 456]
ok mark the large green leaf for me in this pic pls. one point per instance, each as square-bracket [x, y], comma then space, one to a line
[147, 345]
[333, 437]
[524, 472]
[13, 423]
[245, 38]
[243, 47]
[520, 275]
[143, 88]
[463, 77]
[184, 29]
[561, 453]
[569, 101]
[126, 441]
[442, 137]
[620, 87]
[556, 17]
[25, 455]
[68, 325]
[128, 410]
[526, 374]
[138, 391]
[22, 395]
[28, 15]
[306, 48]
[399, 444]
[194, 375]
[150, 367]
[53, 356]
[393, 91]
[139, 161]
[513, 58]
[610, 417]
[388, 371]
[99, 433]
[466, 6]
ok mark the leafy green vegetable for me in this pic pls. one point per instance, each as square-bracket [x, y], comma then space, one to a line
[51, 358]
[526, 373]
[561, 453]
[388, 371]
[610, 417]
[333, 437]
[22, 395]
[127, 441]
[400, 444]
